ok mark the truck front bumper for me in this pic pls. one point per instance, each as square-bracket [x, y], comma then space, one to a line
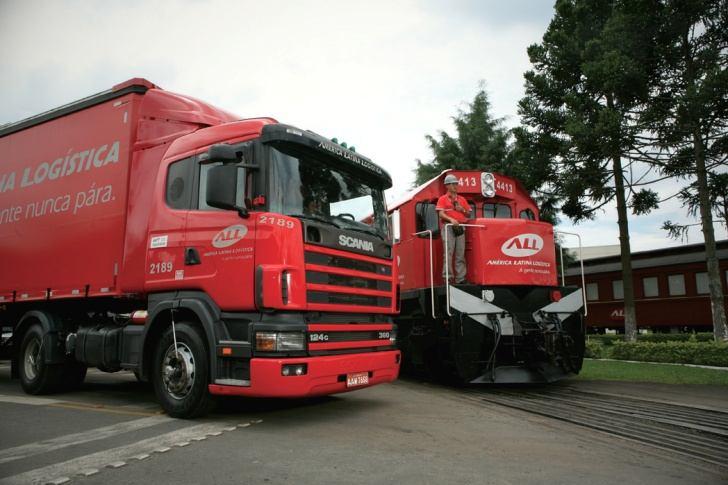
[325, 375]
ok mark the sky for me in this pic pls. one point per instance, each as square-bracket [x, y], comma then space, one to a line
[379, 75]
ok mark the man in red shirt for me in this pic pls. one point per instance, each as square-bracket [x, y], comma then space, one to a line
[453, 209]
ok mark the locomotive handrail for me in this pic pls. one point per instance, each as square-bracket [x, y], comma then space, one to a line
[432, 277]
[581, 262]
[447, 264]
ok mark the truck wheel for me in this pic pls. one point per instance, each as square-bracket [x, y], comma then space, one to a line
[36, 376]
[180, 378]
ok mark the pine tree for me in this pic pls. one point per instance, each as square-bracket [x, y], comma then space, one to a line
[583, 98]
[481, 143]
[688, 114]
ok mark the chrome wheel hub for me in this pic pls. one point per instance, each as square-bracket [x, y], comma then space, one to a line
[31, 362]
[178, 370]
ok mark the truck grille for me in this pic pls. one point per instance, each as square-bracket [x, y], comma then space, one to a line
[341, 281]
[346, 338]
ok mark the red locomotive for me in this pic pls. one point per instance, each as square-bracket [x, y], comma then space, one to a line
[509, 321]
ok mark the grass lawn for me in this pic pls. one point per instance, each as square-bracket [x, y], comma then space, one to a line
[667, 374]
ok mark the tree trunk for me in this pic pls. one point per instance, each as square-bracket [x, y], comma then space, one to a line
[630, 316]
[717, 304]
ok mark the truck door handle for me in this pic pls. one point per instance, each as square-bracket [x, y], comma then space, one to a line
[192, 256]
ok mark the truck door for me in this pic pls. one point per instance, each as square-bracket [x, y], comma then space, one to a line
[219, 247]
[168, 218]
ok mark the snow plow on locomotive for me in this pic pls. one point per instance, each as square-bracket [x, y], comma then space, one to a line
[509, 321]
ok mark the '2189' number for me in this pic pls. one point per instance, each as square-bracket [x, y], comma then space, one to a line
[163, 267]
[276, 221]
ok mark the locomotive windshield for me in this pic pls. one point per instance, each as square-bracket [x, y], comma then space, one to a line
[309, 186]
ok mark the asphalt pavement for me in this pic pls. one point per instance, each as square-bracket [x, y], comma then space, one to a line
[409, 432]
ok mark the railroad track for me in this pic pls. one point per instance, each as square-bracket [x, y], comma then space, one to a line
[697, 433]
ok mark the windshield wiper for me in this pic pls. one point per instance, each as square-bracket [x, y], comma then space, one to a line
[313, 217]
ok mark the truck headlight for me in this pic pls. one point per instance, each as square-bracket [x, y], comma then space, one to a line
[280, 341]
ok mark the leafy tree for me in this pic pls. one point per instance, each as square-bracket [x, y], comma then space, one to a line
[688, 115]
[481, 143]
[580, 114]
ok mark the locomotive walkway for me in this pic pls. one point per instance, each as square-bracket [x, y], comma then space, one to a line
[695, 431]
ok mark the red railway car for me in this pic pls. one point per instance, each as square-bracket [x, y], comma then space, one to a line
[670, 285]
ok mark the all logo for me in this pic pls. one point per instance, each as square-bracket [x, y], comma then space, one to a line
[617, 314]
[229, 236]
[522, 245]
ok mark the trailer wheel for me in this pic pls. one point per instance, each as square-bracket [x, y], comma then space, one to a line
[36, 376]
[180, 377]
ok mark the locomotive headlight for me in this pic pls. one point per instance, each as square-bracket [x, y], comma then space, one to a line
[487, 184]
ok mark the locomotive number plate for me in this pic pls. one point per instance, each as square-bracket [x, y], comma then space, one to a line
[357, 379]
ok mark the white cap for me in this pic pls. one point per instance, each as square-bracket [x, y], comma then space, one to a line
[451, 179]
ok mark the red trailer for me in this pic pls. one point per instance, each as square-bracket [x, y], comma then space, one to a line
[150, 231]
[510, 321]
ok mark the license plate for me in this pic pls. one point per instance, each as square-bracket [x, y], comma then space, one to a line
[357, 379]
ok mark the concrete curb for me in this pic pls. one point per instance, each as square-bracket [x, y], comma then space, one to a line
[662, 363]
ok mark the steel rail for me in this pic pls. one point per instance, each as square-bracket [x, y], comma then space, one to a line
[696, 433]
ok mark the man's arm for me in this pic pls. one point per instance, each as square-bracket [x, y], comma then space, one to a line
[447, 218]
[464, 207]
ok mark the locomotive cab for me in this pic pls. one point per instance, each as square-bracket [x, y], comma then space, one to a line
[509, 321]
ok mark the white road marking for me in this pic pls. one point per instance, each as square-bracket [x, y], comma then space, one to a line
[102, 458]
[90, 472]
[58, 481]
[116, 464]
[30, 400]
[30, 449]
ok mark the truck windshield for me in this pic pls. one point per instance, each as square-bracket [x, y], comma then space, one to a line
[307, 187]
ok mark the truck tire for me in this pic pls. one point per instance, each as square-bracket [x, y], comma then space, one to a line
[180, 379]
[37, 377]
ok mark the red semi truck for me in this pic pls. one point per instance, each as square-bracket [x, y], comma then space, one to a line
[510, 321]
[149, 231]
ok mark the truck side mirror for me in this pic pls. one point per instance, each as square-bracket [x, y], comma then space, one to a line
[222, 188]
[222, 153]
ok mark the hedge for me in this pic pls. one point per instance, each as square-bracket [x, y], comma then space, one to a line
[594, 350]
[610, 339]
[700, 353]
